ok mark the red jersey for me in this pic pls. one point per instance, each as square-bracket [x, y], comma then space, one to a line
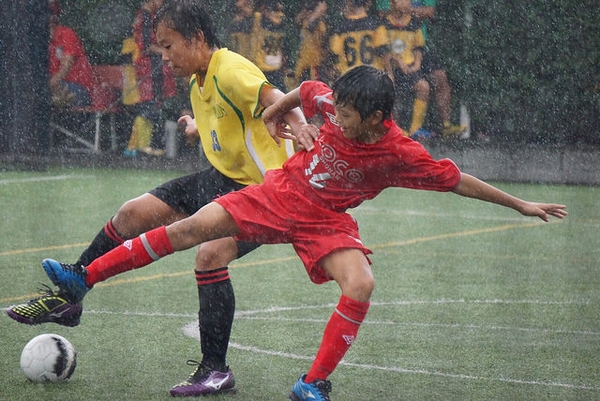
[66, 42]
[341, 173]
[304, 202]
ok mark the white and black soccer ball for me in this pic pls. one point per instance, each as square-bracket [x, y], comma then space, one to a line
[48, 358]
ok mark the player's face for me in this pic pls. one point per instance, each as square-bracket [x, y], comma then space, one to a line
[401, 5]
[350, 122]
[245, 6]
[177, 51]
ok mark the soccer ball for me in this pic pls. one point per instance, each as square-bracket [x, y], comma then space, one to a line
[48, 358]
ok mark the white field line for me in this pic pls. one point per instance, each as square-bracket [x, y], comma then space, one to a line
[42, 179]
[418, 371]
[191, 330]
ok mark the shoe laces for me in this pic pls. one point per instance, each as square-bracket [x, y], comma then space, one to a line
[201, 372]
[74, 268]
[324, 386]
[45, 291]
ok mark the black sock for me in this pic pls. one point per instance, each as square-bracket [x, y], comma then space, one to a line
[215, 317]
[107, 239]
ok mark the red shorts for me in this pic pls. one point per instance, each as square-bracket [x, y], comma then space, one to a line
[275, 212]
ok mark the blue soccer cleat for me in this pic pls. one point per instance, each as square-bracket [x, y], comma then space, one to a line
[316, 391]
[69, 278]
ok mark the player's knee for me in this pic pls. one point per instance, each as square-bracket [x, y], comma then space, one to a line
[360, 287]
[128, 217]
[215, 254]
[422, 89]
[367, 285]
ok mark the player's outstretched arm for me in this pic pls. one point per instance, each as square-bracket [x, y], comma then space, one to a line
[473, 187]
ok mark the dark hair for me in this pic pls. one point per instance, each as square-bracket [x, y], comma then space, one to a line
[366, 89]
[310, 4]
[188, 18]
[264, 5]
[360, 3]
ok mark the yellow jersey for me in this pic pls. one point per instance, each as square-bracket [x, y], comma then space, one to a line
[310, 54]
[357, 41]
[227, 111]
[268, 41]
[405, 38]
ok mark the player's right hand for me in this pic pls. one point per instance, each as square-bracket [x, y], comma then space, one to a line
[191, 130]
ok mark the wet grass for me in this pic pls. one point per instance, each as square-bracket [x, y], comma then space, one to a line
[472, 301]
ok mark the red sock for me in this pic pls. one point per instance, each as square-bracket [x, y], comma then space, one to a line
[132, 254]
[339, 334]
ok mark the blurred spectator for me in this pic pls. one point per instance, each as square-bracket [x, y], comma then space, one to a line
[240, 30]
[403, 63]
[129, 53]
[155, 83]
[382, 7]
[358, 39]
[269, 43]
[71, 78]
[313, 28]
[435, 73]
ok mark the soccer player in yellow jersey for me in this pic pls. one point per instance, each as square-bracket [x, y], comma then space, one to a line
[435, 72]
[269, 45]
[228, 94]
[358, 39]
[403, 62]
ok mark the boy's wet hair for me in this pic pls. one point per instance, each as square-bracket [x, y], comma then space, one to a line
[188, 18]
[366, 89]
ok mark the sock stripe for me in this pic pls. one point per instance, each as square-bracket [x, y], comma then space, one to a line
[212, 276]
[148, 248]
[112, 233]
[347, 317]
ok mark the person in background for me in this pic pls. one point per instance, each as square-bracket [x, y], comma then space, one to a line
[313, 27]
[435, 73]
[155, 82]
[403, 63]
[356, 154]
[71, 76]
[270, 49]
[239, 32]
[359, 39]
[382, 7]
[228, 95]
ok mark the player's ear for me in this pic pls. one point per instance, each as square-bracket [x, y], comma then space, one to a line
[198, 38]
[376, 117]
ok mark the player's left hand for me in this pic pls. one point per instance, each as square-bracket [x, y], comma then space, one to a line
[544, 210]
[276, 125]
[306, 135]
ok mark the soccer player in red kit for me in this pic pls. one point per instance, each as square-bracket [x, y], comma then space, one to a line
[358, 152]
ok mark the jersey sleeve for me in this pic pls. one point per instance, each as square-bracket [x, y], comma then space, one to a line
[418, 170]
[312, 96]
[244, 85]
[419, 39]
